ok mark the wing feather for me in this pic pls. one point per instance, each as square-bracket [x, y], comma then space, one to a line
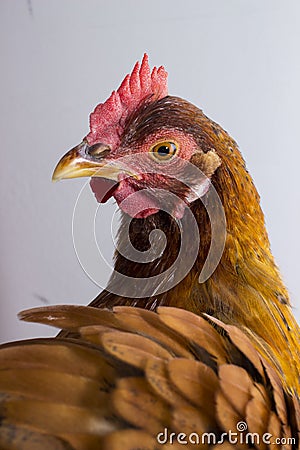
[132, 374]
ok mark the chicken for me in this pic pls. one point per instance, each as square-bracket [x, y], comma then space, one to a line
[193, 341]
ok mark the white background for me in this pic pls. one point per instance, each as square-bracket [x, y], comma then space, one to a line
[236, 59]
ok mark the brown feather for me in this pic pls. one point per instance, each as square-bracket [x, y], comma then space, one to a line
[126, 386]
[133, 349]
[235, 384]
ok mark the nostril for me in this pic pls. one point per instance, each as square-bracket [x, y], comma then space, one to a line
[98, 150]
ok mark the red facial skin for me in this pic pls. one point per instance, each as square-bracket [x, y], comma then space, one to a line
[151, 173]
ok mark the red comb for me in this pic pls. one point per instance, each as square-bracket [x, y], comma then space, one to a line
[107, 120]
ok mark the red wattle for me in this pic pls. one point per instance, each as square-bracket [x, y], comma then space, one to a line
[103, 188]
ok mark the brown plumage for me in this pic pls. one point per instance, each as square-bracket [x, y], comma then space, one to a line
[197, 358]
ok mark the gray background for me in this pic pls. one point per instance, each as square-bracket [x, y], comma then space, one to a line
[236, 59]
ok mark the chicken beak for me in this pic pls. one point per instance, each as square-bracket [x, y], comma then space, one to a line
[85, 161]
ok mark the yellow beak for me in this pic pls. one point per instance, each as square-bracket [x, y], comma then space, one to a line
[85, 161]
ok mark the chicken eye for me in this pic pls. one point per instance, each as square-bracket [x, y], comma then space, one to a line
[164, 151]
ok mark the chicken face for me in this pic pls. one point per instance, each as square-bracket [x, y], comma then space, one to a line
[143, 153]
